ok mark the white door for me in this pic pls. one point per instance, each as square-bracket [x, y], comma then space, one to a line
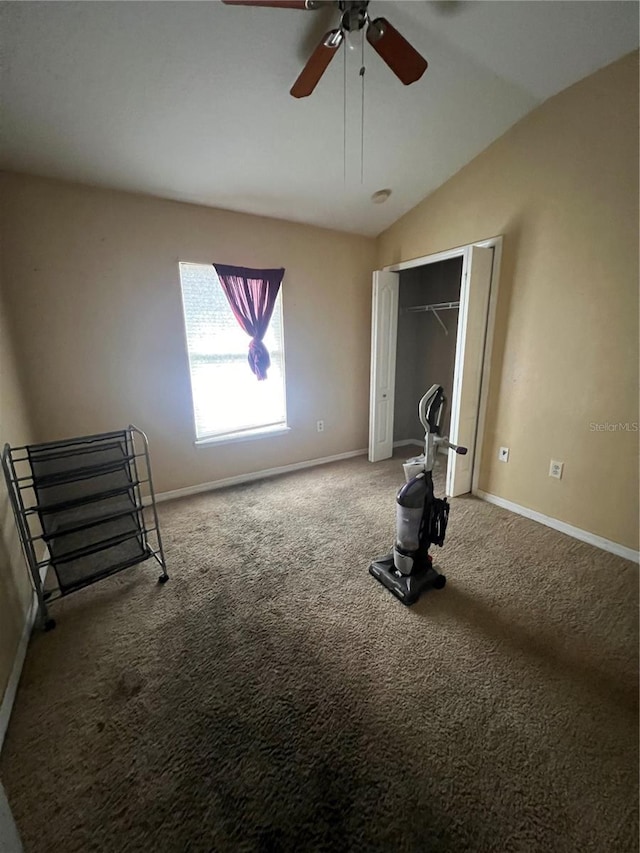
[472, 327]
[384, 332]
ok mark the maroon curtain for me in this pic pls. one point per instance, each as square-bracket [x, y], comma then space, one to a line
[252, 295]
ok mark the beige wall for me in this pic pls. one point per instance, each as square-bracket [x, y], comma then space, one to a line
[94, 293]
[562, 187]
[15, 587]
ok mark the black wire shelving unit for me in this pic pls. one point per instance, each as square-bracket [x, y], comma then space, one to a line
[85, 509]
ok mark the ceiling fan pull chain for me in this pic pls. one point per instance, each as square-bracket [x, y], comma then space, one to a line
[362, 73]
[344, 119]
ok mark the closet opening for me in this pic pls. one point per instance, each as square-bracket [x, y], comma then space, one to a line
[432, 323]
[428, 307]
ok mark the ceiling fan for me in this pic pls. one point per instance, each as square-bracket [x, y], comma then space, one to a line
[404, 60]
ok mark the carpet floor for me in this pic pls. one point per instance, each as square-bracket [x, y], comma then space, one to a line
[273, 697]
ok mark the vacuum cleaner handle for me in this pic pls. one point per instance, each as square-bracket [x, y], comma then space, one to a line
[430, 409]
[457, 448]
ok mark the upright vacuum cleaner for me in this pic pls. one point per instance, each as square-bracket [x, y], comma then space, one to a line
[421, 518]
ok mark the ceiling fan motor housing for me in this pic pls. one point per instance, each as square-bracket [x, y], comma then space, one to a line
[354, 15]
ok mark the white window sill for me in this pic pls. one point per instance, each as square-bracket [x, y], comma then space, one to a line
[248, 435]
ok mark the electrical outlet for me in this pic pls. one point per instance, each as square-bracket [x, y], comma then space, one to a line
[555, 469]
[320, 426]
[503, 454]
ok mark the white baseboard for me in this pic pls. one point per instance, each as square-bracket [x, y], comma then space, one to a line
[407, 441]
[563, 527]
[254, 475]
[18, 662]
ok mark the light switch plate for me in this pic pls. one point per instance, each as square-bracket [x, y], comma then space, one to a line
[503, 454]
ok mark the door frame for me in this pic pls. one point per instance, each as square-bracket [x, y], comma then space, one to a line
[494, 243]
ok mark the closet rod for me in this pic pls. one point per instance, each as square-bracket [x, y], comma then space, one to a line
[435, 306]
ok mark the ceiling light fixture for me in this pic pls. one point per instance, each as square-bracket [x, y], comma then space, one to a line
[380, 196]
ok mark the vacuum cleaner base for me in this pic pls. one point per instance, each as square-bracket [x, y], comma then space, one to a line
[408, 588]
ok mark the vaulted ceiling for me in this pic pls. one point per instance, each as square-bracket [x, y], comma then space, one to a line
[190, 100]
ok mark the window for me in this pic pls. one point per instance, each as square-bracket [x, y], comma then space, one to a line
[228, 400]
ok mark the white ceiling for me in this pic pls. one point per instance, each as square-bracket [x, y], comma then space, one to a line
[190, 100]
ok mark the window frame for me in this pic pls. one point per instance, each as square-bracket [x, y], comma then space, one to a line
[249, 433]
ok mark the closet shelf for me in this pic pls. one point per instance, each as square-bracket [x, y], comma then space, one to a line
[434, 307]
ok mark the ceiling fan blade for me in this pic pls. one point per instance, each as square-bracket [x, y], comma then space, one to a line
[404, 60]
[317, 64]
[277, 4]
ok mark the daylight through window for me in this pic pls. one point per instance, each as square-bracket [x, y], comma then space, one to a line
[228, 399]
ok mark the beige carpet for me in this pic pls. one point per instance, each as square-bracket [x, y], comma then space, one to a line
[274, 697]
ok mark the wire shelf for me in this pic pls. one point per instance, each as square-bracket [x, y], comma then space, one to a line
[85, 508]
